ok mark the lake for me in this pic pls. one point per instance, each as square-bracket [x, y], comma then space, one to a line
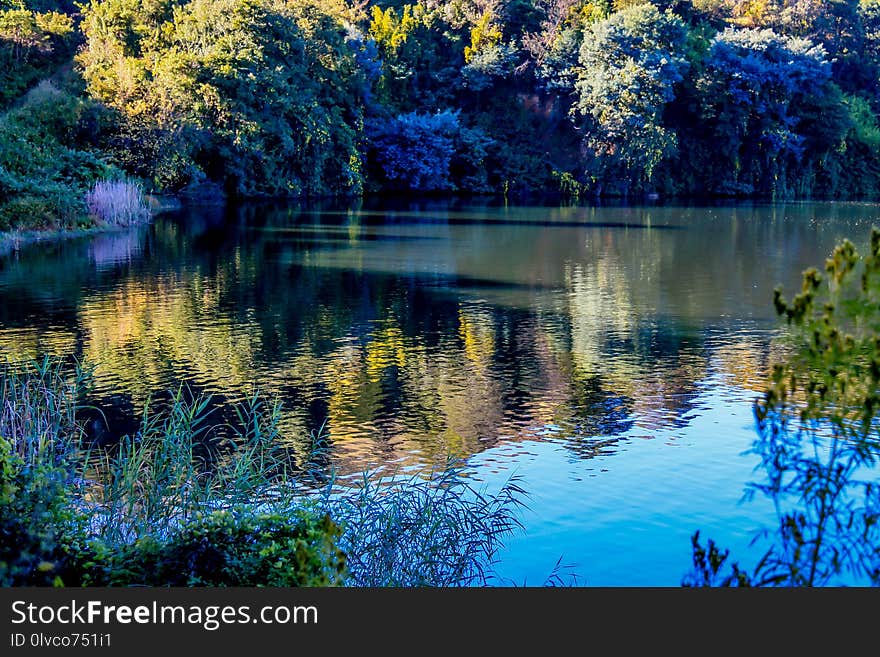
[608, 356]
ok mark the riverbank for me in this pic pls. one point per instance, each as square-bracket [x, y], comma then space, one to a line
[15, 240]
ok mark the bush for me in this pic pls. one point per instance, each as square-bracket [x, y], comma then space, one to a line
[427, 153]
[45, 541]
[55, 526]
[237, 548]
[34, 518]
[43, 211]
[46, 164]
[172, 506]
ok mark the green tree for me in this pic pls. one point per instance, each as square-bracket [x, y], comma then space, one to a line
[762, 95]
[629, 66]
[31, 45]
[261, 96]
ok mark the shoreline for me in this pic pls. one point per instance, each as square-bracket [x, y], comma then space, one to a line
[14, 241]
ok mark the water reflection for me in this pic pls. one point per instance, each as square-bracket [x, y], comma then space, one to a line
[430, 329]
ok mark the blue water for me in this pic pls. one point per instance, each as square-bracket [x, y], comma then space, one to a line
[627, 519]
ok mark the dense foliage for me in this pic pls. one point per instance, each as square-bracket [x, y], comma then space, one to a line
[38, 528]
[764, 98]
[630, 64]
[34, 41]
[234, 548]
[264, 97]
[49, 159]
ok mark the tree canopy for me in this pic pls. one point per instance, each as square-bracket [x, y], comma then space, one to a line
[766, 98]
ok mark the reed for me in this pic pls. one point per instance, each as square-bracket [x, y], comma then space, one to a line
[181, 463]
[417, 531]
[117, 203]
[38, 405]
[183, 466]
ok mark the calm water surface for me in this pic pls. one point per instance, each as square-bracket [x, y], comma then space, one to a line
[607, 356]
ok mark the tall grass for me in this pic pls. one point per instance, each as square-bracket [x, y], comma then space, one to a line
[413, 531]
[38, 407]
[183, 464]
[117, 203]
[176, 467]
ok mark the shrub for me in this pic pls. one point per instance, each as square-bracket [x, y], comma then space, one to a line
[42, 537]
[427, 152]
[237, 548]
[45, 162]
[61, 209]
[190, 501]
